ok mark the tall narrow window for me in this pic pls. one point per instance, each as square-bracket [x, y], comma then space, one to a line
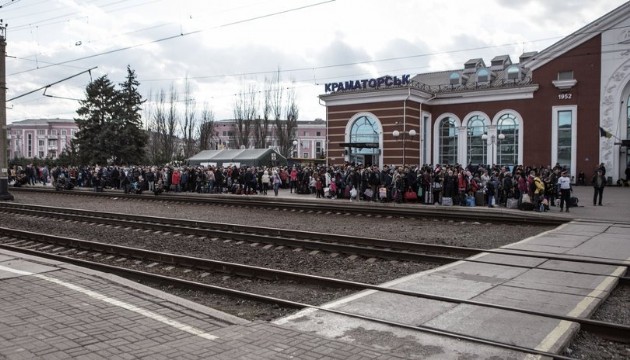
[564, 137]
[508, 146]
[29, 145]
[447, 137]
[476, 146]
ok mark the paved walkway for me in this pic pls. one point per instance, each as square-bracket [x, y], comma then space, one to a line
[52, 310]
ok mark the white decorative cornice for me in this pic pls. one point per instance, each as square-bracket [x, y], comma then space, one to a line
[564, 84]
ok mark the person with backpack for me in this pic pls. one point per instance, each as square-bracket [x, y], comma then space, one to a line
[537, 188]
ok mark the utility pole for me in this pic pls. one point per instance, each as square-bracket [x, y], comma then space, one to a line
[4, 171]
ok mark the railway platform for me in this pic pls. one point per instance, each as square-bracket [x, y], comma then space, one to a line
[53, 310]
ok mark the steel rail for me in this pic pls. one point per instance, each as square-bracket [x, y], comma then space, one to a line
[240, 232]
[151, 277]
[374, 209]
[289, 233]
[613, 331]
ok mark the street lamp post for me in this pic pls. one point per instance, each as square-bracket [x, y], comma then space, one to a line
[396, 134]
[500, 137]
[4, 171]
[493, 140]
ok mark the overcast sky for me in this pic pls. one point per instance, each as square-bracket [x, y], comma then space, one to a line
[224, 47]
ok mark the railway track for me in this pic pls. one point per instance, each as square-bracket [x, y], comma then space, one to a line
[332, 243]
[78, 252]
[306, 204]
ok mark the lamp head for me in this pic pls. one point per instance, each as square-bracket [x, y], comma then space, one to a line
[412, 132]
[396, 133]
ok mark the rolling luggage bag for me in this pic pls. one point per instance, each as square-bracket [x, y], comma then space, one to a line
[428, 197]
[447, 201]
[480, 198]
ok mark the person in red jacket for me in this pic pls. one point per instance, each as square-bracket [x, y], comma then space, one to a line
[176, 179]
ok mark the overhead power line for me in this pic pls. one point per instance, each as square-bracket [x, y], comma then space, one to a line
[51, 84]
[180, 35]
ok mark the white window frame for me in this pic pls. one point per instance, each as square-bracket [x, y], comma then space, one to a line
[554, 135]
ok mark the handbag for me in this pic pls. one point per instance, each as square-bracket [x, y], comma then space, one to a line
[410, 195]
[437, 186]
[368, 192]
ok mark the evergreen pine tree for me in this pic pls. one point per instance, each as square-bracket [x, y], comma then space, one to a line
[109, 121]
[94, 138]
[131, 144]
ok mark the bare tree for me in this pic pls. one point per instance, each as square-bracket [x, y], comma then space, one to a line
[156, 127]
[292, 113]
[244, 114]
[262, 124]
[207, 138]
[189, 122]
[170, 139]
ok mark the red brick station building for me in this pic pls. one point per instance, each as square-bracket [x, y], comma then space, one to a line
[567, 104]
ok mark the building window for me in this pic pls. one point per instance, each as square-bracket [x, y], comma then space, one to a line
[447, 140]
[52, 143]
[483, 76]
[319, 133]
[454, 78]
[41, 154]
[477, 126]
[508, 147]
[318, 147]
[565, 75]
[41, 132]
[513, 73]
[40, 143]
[564, 139]
[364, 130]
[64, 132]
[73, 132]
[305, 155]
[29, 145]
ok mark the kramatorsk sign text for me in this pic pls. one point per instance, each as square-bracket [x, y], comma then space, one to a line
[384, 81]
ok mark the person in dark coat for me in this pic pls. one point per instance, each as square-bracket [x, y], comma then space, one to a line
[599, 182]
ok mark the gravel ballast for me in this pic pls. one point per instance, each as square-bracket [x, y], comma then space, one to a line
[477, 234]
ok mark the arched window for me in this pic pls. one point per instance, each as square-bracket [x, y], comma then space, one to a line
[365, 130]
[476, 127]
[447, 138]
[508, 146]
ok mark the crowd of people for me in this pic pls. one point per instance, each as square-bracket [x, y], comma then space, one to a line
[527, 188]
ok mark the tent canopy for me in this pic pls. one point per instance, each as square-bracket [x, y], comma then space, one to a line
[241, 157]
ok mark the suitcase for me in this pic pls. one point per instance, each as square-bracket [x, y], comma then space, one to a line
[470, 201]
[480, 198]
[512, 203]
[428, 197]
[447, 201]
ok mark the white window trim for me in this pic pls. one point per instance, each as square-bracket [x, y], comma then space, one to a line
[380, 134]
[554, 135]
[426, 137]
[436, 133]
